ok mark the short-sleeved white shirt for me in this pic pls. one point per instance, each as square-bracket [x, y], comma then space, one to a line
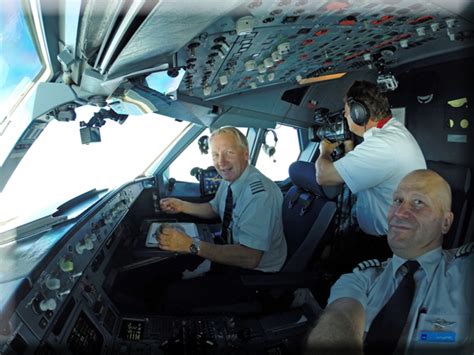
[374, 169]
[256, 216]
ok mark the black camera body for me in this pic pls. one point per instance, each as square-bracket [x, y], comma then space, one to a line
[330, 126]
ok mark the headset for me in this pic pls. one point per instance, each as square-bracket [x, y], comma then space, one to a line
[359, 111]
[203, 143]
[267, 148]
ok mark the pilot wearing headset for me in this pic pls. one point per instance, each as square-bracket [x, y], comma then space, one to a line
[373, 169]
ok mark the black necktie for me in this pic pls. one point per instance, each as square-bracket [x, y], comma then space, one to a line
[226, 233]
[387, 326]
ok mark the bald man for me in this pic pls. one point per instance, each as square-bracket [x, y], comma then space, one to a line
[440, 310]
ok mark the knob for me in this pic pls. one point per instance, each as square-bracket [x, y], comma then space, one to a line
[52, 283]
[48, 305]
[66, 265]
[91, 236]
[108, 218]
[88, 244]
[80, 247]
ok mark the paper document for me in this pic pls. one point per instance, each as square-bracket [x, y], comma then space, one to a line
[188, 228]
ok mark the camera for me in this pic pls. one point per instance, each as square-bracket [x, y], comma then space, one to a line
[330, 126]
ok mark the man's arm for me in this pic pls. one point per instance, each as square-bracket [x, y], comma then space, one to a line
[326, 173]
[174, 205]
[235, 255]
[231, 254]
[340, 328]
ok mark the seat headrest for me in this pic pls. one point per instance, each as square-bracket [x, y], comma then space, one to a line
[303, 175]
[457, 176]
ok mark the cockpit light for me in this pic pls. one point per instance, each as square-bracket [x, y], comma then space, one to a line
[318, 79]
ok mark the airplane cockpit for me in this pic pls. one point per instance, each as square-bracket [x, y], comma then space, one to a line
[108, 107]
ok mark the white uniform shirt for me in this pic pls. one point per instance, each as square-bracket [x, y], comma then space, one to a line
[440, 315]
[256, 216]
[374, 169]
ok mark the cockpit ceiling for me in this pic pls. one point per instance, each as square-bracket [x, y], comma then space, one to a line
[278, 41]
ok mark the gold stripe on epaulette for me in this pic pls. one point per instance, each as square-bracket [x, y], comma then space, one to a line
[367, 264]
[465, 250]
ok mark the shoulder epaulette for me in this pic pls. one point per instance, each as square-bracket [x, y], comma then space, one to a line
[464, 250]
[367, 264]
[256, 187]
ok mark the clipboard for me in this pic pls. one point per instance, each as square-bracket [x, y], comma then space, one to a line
[188, 228]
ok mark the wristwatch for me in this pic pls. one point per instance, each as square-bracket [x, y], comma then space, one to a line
[195, 246]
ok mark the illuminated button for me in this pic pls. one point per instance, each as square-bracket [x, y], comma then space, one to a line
[207, 90]
[223, 80]
[66, 265]
[250, 65]
[268, 62]
[421, 31]
[434, 27]
[283, 48]
[276, 56]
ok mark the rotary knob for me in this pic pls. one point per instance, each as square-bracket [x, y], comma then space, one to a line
[66, 265]
[52, 283]
[48, 305]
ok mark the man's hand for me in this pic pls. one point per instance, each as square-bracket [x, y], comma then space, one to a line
[171, 239]
[326, 147]
[171, 205]
[348, 145]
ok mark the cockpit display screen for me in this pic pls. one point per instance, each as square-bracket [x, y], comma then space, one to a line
[132, 329]
[85, 338]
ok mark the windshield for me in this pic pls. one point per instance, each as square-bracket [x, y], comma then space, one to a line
[16, 47]
[58, 167]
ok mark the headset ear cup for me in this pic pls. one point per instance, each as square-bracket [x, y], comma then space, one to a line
[359, 113]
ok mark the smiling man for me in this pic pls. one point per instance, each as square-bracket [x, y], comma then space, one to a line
[252, 223]
[249, 205]
[418, 301]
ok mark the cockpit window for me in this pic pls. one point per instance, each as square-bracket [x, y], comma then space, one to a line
[281, 148]
[58, 167]
[17, 46]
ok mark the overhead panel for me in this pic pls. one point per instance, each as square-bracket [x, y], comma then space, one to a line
[166, 29]
[265, 43]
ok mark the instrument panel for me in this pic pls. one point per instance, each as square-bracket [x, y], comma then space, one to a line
[68, 286]
[67, 308]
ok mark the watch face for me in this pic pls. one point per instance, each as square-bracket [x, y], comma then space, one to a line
[193, 249]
